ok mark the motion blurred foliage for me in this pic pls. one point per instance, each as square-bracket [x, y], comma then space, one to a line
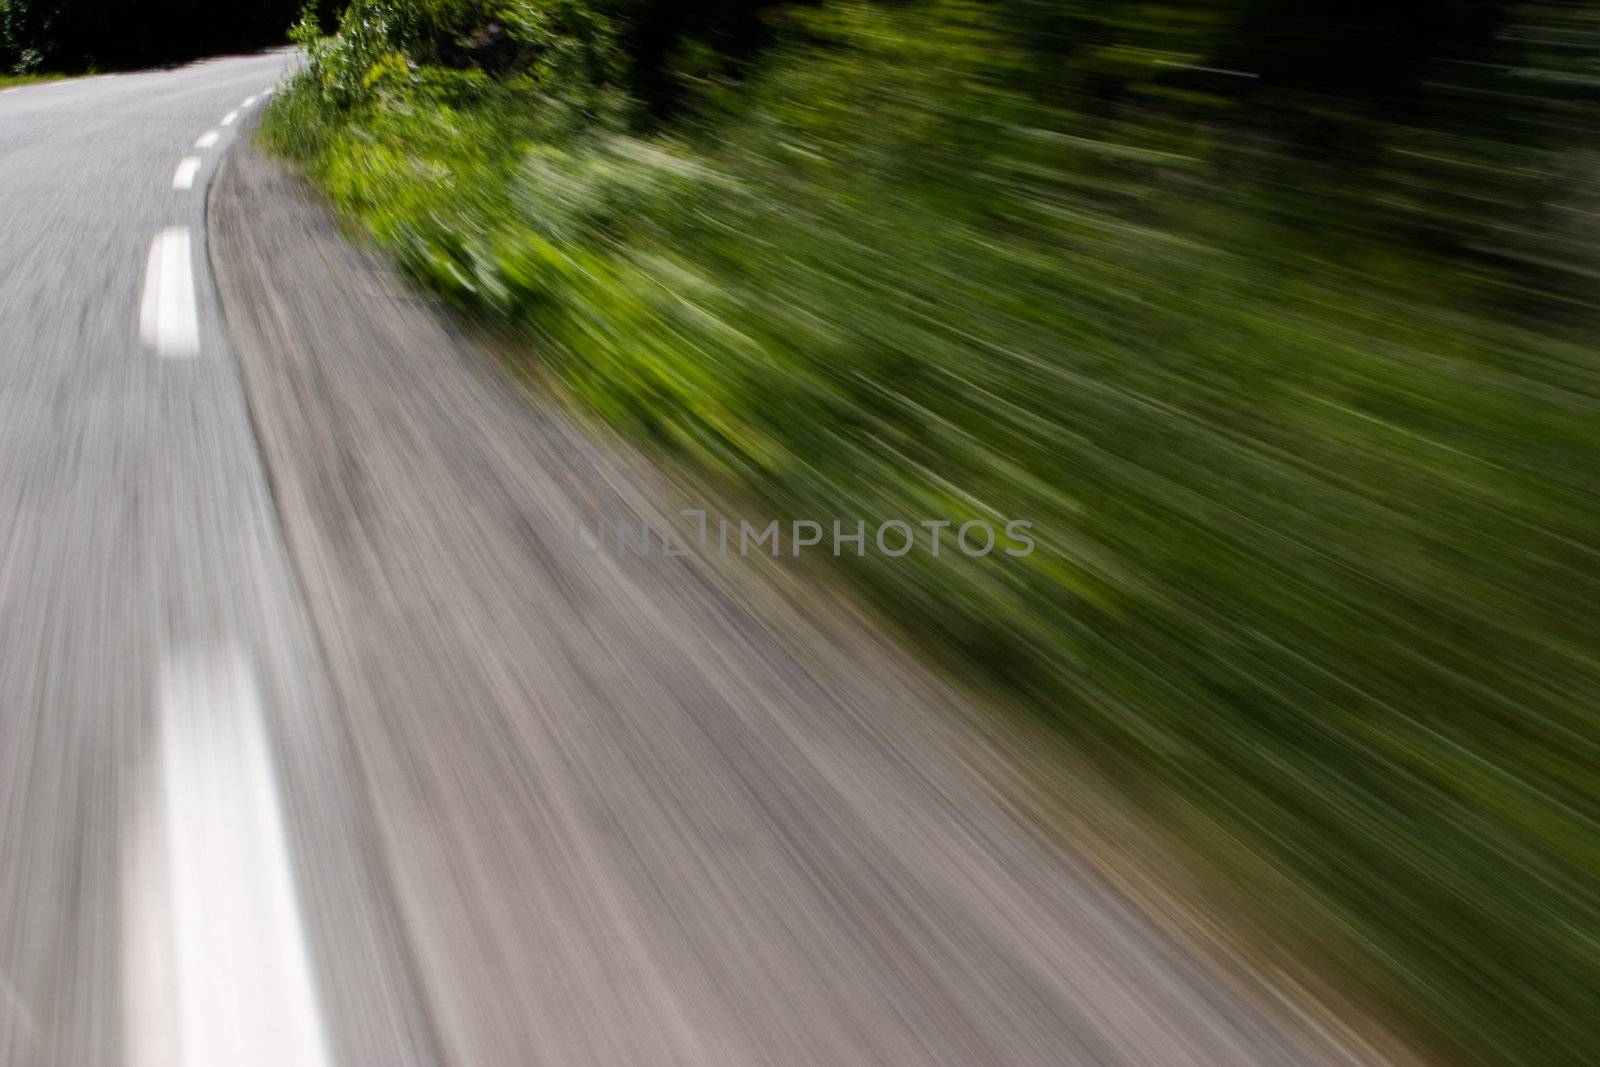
[73, 36]
[1277, 320]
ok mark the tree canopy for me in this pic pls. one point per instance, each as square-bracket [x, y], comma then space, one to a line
[81, 35]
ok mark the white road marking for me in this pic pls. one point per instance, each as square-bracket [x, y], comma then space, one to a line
[215, 926]
[17, 1010]
[207, 139]
[183, 177]
[51, 83]
[167, 318]
[249, 101]
[227, 120]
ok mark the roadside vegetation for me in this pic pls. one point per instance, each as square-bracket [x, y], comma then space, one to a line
[9, 81]
[1277, 320]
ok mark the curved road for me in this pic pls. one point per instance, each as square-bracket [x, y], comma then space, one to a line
[322, 743]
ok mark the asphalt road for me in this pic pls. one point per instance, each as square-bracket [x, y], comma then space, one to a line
[151, 631]
[323, 742]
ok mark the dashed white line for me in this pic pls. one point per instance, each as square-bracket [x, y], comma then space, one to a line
[214, 918]
[207, 139]
[227, 120]
[167, 318]
[183, 177]
[249, 101]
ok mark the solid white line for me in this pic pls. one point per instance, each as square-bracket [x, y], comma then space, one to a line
[227, 120]
[167, 319]
[222, 930]
[183, 177]
[44, 84]
[207, 139]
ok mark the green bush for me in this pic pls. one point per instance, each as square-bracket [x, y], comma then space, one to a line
[1300, 392]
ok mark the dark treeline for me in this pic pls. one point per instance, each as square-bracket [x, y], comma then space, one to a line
[73, 36]
[1305, 102]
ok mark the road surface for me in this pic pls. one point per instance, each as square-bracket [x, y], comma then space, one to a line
[324, 742]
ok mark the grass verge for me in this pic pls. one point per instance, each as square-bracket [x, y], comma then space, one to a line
[12, 81]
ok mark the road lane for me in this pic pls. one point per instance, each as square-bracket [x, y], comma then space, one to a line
[140, 535]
